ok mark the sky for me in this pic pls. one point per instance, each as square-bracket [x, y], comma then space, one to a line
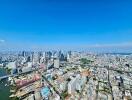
[102, 25]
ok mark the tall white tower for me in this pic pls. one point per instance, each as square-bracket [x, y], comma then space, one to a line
[56, 63]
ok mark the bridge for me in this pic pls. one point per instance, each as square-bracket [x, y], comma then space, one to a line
[7, 76]
[4, 77]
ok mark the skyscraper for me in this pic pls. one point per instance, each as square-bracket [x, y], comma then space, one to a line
[56, 63]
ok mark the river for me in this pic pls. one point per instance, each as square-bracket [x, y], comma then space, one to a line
[4, 90]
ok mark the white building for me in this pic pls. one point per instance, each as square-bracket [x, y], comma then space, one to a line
[27, 68]
[80, 83]
[11, 65]
[56, 63]
[35, 58]
[72, 84]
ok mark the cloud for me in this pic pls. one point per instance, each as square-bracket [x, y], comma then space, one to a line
[115, 45]
[2, 41]
[84, 46]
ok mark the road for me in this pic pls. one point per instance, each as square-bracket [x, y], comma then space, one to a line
[97, 88]
[53, 87]
[82, 91]
[110, 85]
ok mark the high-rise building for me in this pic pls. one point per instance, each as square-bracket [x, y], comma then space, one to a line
[0, 60]
[28, 59]
[56, 63]
[69, 56]
[49, 55]
[23, 53]
[62, 57]
[72, 84]
[35, 57]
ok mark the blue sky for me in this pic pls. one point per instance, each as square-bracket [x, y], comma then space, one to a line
[31, 24]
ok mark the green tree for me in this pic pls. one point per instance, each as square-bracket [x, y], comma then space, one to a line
[85, 61]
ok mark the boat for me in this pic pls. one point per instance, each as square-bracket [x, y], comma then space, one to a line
[9, 79]
[11, 96]
[12, 91]
[5, 84]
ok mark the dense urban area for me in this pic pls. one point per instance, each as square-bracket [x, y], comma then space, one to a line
[67, 75]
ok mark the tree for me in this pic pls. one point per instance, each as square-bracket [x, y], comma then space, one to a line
[15, 98]
[68, 80]
[85, 61]
[64, 94]
[94, 79]
[53, 78]
[77, 91]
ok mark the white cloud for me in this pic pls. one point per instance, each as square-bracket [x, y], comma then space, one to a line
[125, 44]
[2, 41]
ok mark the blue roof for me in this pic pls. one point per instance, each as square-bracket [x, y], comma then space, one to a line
[45, 91]
[49, 77]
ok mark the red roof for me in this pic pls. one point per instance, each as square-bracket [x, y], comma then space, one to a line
[21, 83]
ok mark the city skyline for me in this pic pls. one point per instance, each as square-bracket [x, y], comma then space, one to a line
[67, 24]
